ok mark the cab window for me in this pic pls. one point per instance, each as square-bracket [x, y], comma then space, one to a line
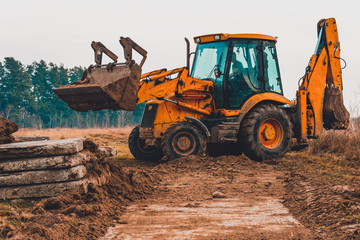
[244, 71]
[208, 57]
[271, 69]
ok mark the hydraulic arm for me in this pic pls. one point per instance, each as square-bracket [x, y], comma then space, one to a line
[319, 98]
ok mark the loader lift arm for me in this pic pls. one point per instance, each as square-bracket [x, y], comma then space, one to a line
[99, 49]
[128, 46]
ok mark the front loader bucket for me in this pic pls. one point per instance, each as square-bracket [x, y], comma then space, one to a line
[335, 115]
[112, 86]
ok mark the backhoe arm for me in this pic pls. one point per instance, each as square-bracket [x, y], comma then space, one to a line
[319, 98]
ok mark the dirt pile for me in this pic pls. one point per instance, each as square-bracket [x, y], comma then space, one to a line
[83, 216]
[6, 129]
[207, 164]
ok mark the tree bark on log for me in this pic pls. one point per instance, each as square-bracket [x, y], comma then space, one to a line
[43, 190]
[41, 163]
[42, 176]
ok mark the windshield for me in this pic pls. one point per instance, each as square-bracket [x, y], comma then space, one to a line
[209, 56]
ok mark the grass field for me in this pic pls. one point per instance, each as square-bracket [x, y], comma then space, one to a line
[114, 137]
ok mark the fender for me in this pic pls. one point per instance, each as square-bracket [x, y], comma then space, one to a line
[262, 97]
[200, 124]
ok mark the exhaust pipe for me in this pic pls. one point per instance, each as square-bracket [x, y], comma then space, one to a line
[187, 54]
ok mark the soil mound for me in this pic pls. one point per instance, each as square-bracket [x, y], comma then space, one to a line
[85, 216]
[6, 129]
[207, 163]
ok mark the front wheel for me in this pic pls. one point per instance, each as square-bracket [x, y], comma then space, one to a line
[183, 139]
[139, 150]
[266, 133]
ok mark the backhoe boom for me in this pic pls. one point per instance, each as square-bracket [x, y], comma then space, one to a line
[319, 98]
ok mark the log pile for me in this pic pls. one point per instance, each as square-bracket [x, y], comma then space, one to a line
[40, 169]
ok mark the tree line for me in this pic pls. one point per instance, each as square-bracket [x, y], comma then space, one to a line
[27, 98]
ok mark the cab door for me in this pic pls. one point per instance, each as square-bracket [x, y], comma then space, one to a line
[253, 69]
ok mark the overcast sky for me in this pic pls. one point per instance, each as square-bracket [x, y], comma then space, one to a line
[62, 31]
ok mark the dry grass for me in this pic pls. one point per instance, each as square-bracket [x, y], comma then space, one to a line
[61, 133]
[114, 137]
[340, 143]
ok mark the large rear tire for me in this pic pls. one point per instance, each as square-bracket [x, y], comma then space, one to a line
[266, 133]
[183, 139]
[140, 151]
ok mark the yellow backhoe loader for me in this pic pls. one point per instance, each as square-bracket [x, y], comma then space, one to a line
[231, 101]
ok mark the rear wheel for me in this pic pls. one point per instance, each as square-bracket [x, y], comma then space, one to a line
[265, 133]
[183, 139]
[139, 150]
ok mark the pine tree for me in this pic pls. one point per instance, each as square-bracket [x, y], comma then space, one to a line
[17, 101]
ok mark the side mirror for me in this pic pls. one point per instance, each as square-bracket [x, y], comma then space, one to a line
[217, 72]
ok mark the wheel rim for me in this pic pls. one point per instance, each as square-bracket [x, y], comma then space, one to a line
[141, 145]
[183, 143]
[271, 133]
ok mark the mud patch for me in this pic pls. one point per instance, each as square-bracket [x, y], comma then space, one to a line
[208, 219]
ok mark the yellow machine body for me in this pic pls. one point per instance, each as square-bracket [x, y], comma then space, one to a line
[235, 96]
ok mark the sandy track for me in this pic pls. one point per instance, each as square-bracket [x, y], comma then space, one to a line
[184, 205]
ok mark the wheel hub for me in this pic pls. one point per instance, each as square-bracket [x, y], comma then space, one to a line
[268, 133]
[184, 143]
[271, 133]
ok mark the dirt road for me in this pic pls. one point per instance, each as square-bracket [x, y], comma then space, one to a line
[212, 198]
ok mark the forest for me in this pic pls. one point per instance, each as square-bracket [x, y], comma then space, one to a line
[27, 98]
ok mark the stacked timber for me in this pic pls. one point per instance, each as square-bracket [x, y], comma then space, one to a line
[40, 169]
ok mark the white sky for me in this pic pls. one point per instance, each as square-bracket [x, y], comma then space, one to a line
[62, 31]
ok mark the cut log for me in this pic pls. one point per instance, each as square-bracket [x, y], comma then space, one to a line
[43, 190]
[32, 138]
[42, 176]
[41, 148]
[67, 161]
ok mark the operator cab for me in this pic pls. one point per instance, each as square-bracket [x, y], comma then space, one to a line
[240, 65]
